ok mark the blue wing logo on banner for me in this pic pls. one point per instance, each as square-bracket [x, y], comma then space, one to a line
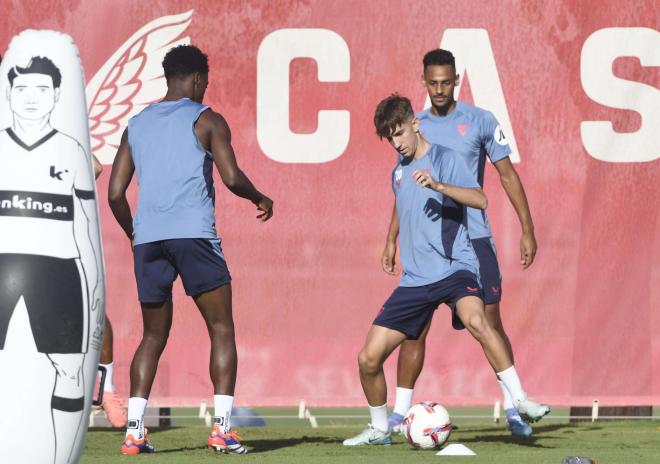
[130, 80]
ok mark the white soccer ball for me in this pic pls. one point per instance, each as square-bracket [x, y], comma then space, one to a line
[427, 425]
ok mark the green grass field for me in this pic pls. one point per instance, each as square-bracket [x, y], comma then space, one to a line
[292, 440]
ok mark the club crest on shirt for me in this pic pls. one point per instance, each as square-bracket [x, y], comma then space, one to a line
[462, 129]
[398, 174]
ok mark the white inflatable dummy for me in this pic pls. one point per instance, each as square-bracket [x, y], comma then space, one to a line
[52, 296]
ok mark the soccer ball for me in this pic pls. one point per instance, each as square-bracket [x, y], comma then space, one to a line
[427, 425]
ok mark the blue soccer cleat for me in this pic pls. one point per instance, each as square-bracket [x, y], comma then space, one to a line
[514, 422]
[395, 423]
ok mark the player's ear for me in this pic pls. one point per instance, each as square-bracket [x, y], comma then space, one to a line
[457, 80]
[197, 82]
[415, 124]
[57, 94]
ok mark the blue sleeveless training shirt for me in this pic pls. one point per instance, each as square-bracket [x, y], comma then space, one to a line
[174, 173]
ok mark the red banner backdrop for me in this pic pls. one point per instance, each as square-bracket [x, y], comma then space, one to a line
[575, 84]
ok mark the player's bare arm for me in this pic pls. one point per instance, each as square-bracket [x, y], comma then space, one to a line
[120, 178]
[472, 197]
[516, 193]
[215, 136]
[387, 259]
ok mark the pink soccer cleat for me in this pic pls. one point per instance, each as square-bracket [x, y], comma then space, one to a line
[114, 409]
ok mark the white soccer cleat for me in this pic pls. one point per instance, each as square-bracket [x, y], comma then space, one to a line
[369, 436]
[531, 411]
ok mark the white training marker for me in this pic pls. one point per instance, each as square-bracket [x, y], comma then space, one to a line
[301, 409]
[496, 412]
[312, 420]
[202, 409]
[208, 419]
[456, 449]
[594, 410]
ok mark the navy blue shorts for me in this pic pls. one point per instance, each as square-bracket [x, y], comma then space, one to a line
[199, 262]
[409, 309]
[489, 270]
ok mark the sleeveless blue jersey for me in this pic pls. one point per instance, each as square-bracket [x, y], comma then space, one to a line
[474, 134]
[174, 173]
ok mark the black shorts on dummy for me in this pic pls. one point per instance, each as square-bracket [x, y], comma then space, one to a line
[53, 295]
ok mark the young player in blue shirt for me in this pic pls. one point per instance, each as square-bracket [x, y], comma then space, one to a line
[432, 188]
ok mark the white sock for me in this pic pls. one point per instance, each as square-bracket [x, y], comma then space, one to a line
[403, 400]
[136, 407]
[511, 381]
[108, 386]
[379, 417]
[222, 413]
[508, 402]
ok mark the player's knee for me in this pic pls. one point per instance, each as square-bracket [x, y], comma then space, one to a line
[369, 364]
[221, 329]
[156, 338]
[478, 326]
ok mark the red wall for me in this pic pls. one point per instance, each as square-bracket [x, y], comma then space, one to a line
[583, 319]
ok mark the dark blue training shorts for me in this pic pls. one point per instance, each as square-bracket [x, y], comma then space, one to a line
[199, 262]
[409, 309]
[489, 270]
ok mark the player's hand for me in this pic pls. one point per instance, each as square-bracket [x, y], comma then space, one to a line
[423, 178]
[387, 259]
[527, 249]
[265, 205]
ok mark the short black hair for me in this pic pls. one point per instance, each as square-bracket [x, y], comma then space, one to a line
[184, 60]
[439, 57]
[392, 112]
[37, 65]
